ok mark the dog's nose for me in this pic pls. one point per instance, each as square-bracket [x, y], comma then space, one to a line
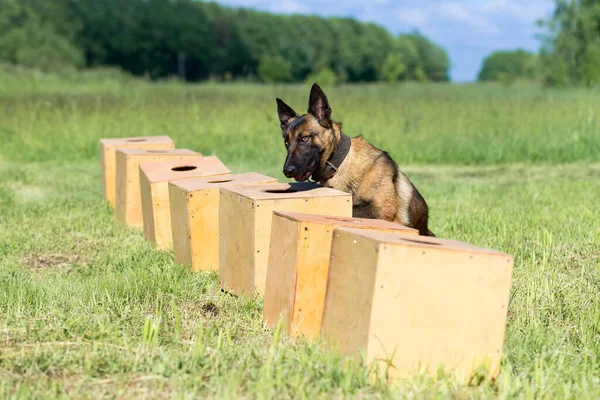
[289, 170]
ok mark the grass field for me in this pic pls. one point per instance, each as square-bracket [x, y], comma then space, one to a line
[88, 309]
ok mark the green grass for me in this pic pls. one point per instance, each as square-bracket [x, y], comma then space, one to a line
[89, 309]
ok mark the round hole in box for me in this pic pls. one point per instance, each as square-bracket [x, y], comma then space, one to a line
[157, 151]
[136, 140]
[222, 181]
[421, 242]
[288, 190]
[184, 168]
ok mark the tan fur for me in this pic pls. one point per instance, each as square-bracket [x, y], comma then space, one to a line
[365, 177]
[379, 189]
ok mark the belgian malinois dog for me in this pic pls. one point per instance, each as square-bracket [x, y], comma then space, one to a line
[317, 147]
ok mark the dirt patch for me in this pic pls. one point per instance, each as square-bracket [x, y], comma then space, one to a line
[573, 257]
[37, 263]
[28, 193]
[210, 309]
[184, 319]
[187, 309]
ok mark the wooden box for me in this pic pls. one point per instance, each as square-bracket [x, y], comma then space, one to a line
[299, 265]
[128, 206]
[419, 302]
[245, 226]
[195, 217]
[108, 156]
[154, 185]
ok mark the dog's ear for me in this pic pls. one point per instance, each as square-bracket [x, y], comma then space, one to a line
[285, 113]
[318, 106]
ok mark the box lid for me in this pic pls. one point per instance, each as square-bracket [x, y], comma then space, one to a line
[223, 180]
[298, 190]
[183, 169]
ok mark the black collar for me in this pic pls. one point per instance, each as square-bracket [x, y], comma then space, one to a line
[337, 157]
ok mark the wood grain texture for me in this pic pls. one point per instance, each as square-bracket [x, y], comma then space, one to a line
[195, 217]
[128, 206]
[179, 201]
[281, 280]
[155, 199]
[306, 274]
[250, 259]
[431, 302]
[108, 148]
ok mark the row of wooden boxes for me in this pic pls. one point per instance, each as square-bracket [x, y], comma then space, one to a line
[414, 303]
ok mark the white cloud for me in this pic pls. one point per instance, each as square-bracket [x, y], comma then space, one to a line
[530, 10]
[288, 7]
[461, 12]
[413, 17]
[244, 3]
[453, 12]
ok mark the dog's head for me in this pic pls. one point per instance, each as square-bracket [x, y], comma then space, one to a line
[309, 138]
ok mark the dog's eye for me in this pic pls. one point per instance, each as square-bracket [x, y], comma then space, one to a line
[304, 139]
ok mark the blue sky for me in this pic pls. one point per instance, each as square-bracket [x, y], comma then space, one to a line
[468, 29]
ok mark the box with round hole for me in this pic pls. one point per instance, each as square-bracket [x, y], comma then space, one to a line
[108, 148]
[128, 205]
[154, 186]
[195, 217]
[298, 267]
[417, 303]
[246, 213]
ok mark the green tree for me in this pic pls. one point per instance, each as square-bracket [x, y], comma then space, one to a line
[573, 34]
[433, 59]
[324, 77]
[508, 66]
[274, 69]
[591, 65]
[148, 37]
[28, 39]
[420, 74]
[375, 43]
[555, 70]
[424, 60]
[406, 47]
[347, 58]
[393, 68]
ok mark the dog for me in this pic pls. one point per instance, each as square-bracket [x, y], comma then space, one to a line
[317, 149]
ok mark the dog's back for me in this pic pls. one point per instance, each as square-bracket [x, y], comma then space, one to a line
[317, 147]
[412, 210]
[379, 189]
[409, 207]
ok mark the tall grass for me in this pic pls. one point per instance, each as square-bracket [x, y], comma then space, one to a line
[416, 124]
[89, 310]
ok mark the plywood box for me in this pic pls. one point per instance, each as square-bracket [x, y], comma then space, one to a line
[424, 301]
[195, 217]
[154, 185]
[245, 226]
[298, 267]
[128, 205]
[108, 148]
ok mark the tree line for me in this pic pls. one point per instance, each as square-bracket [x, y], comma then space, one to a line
[162, 38]
[570, 53]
